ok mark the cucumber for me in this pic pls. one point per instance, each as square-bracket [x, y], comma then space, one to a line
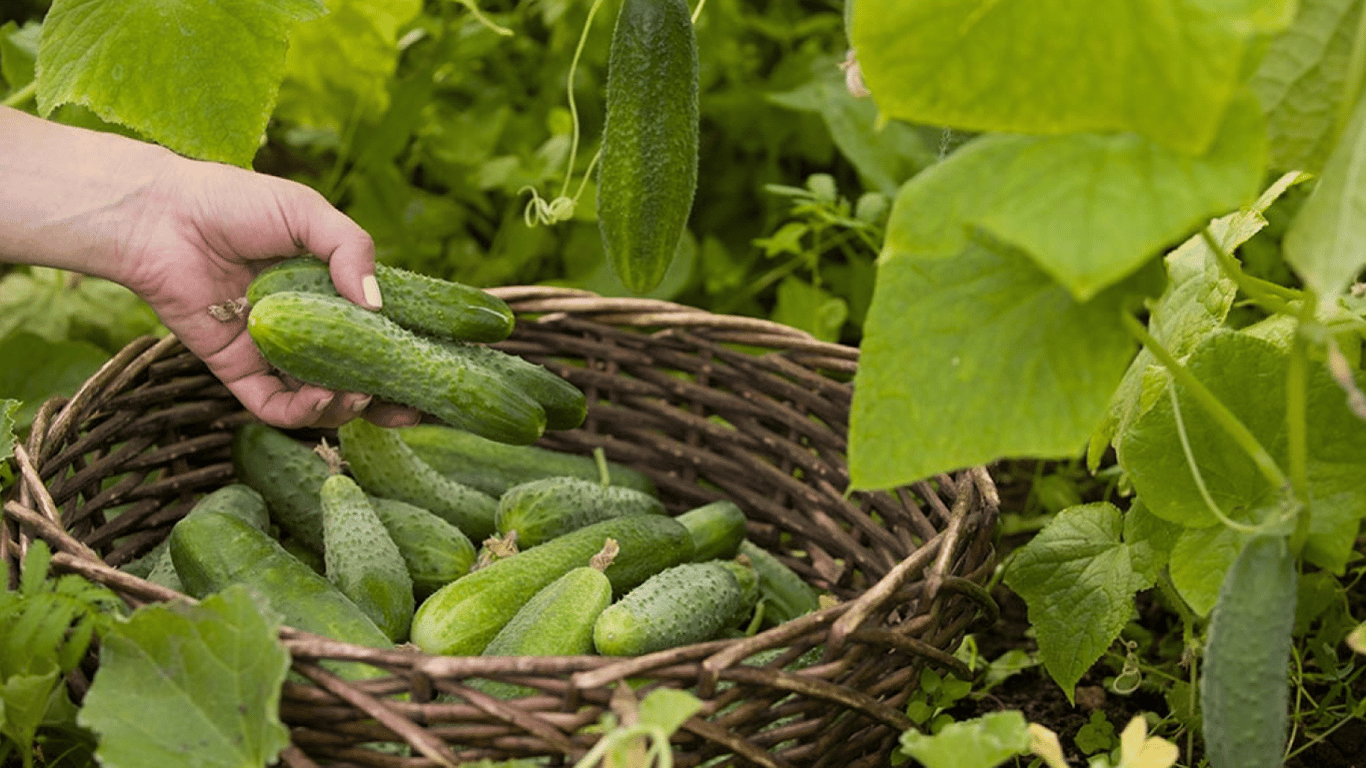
[717, 529]
[361, 558]
[542, 509]
[385, 466]
[417, 302]
[648, 171]
[463, 616]
[435, 552]
[564, 404]
[1245, 681]
[494, 467]
[328, 341]
[748, 579]
[212, 551]
[288, 474]
[233, 499]
[785, 594]
[683, 604]
[557, 620]
[309, 557]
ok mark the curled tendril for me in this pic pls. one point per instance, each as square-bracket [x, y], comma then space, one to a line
[538, 211]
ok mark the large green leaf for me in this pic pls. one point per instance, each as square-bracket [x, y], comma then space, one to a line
[1089, 208]
[1248, 375]
[48, 368]
[1324, 241]
[339, 66]
[1197, 299]
[183, 684]
[982, 742]
[972, 358]
[199, 76]
[1078, 578]
[1301, 82]
[1166, 69]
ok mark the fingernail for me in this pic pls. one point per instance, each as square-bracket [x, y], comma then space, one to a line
[370, 286]
[360, 404]
[322, 404]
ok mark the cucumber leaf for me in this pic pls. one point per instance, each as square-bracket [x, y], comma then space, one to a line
[199, 77]
[1078, 577]
[1089, 208]
[1248, 375]
[982, 742]
[184, 684]
[1301, 81]
[1166, 69]
[1323, 243]
[929, 395]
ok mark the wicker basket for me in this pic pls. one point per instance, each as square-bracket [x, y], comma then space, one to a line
[709, 406]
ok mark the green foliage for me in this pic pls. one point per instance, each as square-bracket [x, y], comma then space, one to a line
[979, 743]
[46, 626]
[182, 683]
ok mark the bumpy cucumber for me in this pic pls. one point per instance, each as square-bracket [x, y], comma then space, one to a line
[748, 579]
[717, 529]
[212, 551]
[785, 594]
[684, 604]
[288, 474]
[463, 616]
[361, 558]
[542, 509]
[648, 172]
[417, 302]
[328, 341]
[565, 405]
[494, 467]
[233, 499]
[385, 466]
[557, 620]
[435, 552]
[1245, 681]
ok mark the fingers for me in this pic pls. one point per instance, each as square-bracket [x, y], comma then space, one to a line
[333, 237]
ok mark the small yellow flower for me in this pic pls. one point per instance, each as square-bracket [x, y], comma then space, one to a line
[1044, 744]
[1138, 751]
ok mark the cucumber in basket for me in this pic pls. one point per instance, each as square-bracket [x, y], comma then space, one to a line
[463, 616]
[331, 342]
[417, 302]
[232, 499]
[494, 467]
[540, 510]
[361, 559]
[214, 550]
[288, 474]
[684, 604]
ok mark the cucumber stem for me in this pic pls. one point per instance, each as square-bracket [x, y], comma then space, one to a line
[604, 471]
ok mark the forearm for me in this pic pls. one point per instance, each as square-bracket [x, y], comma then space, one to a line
[69, 196]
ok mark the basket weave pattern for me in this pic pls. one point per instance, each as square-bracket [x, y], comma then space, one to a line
[709, 406]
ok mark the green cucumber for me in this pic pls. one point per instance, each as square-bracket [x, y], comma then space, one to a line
[361, 558]
[542, 509]
[785, 594]
[233, 499]
[684, 604]
[557, 620]
[417, 302]
[463, 616]
[385, 466]
[743, 570]
[435, 552]
[717, 529]
[494, 467]
[647, 175]
[330, 342]
[288, 474]
[1245, 680]
[212, 551]
[565, 405]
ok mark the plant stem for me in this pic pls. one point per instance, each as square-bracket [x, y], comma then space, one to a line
[1276, 298]
[1226, 419]
[1296, 422]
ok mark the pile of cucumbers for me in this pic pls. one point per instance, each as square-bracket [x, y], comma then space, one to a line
[378, 540]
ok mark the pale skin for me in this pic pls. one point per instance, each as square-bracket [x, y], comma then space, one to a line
[184, 235]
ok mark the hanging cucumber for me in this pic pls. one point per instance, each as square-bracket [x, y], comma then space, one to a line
[648, 172]
[1245, 683]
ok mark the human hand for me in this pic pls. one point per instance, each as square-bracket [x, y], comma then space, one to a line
[196, 237]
